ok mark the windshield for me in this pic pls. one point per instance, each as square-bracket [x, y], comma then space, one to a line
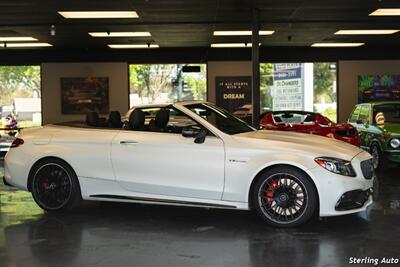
[220, 118]
[387, 113]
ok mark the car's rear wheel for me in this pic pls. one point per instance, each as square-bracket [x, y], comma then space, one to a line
[377, 156]
[284, 197]
[55, 186]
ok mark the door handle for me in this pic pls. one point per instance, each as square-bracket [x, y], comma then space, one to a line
[128, 142]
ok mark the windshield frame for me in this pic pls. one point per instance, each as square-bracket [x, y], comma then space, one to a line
[222, 112]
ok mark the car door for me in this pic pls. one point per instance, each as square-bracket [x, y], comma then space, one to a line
[168, 164]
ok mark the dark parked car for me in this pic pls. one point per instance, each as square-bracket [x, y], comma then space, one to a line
[378, 125]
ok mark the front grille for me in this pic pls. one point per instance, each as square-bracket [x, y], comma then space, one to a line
[367, 168]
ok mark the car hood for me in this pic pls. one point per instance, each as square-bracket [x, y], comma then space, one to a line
[318, 146]
[393, 128]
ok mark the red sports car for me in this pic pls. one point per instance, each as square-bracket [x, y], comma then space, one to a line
[309, 122]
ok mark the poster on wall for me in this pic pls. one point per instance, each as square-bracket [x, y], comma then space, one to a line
[234, 93]
[292, 87]
[378, 87]
[82, 95]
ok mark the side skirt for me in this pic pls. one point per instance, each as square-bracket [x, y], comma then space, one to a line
[161, 201]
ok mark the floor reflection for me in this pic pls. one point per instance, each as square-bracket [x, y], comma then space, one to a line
[109, 234]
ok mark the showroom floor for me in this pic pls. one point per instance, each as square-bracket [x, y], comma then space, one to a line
[136, 235]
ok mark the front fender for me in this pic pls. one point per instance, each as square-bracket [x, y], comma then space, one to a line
[239, 174]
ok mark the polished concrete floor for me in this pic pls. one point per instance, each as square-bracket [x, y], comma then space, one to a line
[136, 235]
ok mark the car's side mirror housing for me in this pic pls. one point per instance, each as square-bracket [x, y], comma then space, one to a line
[198, 134]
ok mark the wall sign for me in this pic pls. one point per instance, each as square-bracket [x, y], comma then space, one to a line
[233, 92]
[378, 87]
[82, 95]
[293, 86]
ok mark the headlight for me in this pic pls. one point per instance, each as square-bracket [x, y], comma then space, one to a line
[395, 143]
[338, 166]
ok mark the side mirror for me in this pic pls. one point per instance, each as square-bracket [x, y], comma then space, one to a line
[359, 121]
[195, 132]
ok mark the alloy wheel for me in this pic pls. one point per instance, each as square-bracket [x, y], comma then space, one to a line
[52, 186]
[283, 198]
[375, 156]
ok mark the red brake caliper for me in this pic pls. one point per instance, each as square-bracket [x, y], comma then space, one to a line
[269, 193]
[45, 184]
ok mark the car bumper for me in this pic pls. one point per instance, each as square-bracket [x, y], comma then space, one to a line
[340, 195]
[16, 169]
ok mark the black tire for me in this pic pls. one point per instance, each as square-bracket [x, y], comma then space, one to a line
[378, 158]
[284, 196]
[55, 186]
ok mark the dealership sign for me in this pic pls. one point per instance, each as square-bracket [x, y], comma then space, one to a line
[287, 71]
[233, 91]
[293, 86]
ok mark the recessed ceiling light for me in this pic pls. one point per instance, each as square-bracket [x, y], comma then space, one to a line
[17, 39]
[365, 32]
[98, 14]
[386, 12]
[21, 45]
[132, 46]
[119, 34]
[337, 44]
[227, 45]
[234, 33]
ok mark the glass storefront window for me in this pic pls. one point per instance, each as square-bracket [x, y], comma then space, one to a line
[299, 86]
[20, 101]
[165, 83]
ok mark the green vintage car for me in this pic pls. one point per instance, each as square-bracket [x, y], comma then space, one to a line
[378, 124]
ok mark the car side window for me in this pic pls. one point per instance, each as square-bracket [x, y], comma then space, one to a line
[354, 115]
[364, 114]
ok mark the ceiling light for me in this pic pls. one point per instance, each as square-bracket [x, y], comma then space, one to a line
[98, 14]
[119, 34]
[236, 33]
[337, 44]
[17, 39]
[365, 32]
[132, 46]
[21, 45]
[386, 12]
[231, 45]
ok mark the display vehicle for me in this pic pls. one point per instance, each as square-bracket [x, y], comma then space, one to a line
[191, 154]
[309, 122]
[378, 125]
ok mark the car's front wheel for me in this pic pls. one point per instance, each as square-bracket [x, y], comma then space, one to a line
[55, 186]
[377, 156]
[284, 197]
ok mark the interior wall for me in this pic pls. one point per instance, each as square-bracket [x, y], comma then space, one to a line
[119, 91]
[348, 79]
[51, 92]
[224, 68]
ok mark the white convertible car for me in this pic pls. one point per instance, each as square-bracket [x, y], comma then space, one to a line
[192, 154]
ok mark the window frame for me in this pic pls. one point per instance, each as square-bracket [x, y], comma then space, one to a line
[357, 107]
[368, 118]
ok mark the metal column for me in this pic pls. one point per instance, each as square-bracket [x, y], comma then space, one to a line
[255, 58]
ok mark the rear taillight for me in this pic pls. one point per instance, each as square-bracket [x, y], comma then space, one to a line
[17, 142]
